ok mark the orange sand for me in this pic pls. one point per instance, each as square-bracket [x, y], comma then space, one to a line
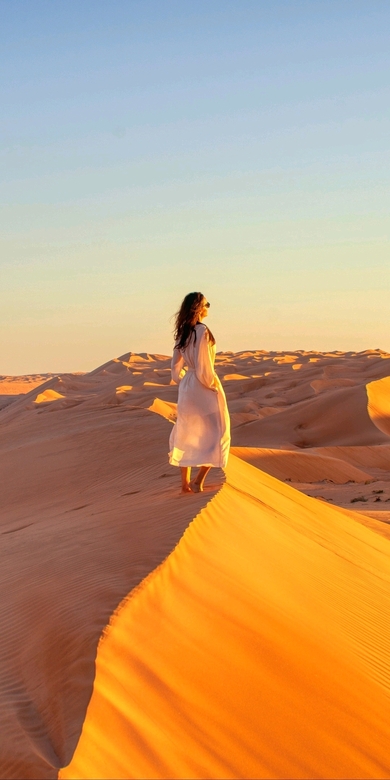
[259, 646]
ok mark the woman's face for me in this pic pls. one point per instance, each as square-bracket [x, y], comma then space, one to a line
[204, 310]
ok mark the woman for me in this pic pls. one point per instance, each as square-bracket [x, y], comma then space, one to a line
[201, 435]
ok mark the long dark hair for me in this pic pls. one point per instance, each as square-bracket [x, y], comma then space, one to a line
[187, 318]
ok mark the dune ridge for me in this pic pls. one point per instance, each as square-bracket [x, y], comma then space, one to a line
[240, 659]
[301, 466]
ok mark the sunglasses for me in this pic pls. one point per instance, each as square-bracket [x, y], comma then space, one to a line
[207, 305]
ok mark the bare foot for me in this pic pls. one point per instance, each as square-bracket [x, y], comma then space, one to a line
[186, 489]
[196, 488]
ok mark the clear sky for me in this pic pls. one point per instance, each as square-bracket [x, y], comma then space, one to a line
[154, 147]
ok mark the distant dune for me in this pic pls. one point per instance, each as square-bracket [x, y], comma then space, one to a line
[14, 386]
[240, 632]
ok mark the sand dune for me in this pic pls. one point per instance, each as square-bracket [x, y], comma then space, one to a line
[336, 417]
[13, 386]
[301, 466]
[379, 403]
[371, 457]
[18, 385]
[259, 647]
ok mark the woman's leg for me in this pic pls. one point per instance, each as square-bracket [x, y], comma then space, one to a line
[185, 479]
[197, 484]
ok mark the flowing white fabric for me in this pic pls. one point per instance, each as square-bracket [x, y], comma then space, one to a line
[201, 435]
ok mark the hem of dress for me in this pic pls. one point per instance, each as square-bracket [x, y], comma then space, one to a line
[187, 464]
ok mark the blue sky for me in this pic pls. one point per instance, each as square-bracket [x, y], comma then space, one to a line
[153, 148]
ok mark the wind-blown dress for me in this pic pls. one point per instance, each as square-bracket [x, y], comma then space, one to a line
[201, 435]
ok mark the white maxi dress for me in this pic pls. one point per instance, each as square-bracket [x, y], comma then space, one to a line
[201, 434]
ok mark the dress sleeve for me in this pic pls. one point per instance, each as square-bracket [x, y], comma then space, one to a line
[204, 364]
[177, 364]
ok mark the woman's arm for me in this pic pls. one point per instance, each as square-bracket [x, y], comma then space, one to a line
[177, 364]
[204, 364]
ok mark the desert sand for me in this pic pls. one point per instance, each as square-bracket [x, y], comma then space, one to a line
[241, 632]
[12, 386]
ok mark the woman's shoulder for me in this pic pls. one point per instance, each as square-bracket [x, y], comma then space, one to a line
[202, 332]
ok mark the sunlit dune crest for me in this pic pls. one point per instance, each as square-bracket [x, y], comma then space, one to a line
[47, 396]
[165, 409]
[224, 663]
[232, 377]
[379, 403]
[286, 359]
[247, 625]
